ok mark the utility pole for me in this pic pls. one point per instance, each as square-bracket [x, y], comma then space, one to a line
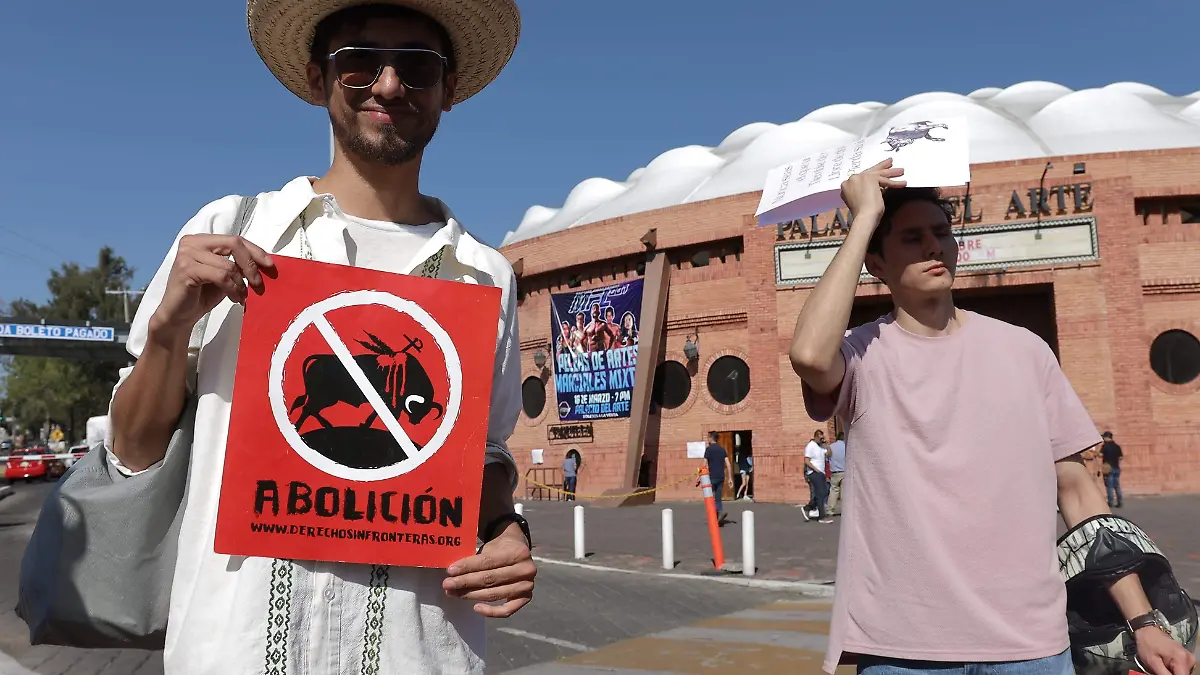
[125, 300]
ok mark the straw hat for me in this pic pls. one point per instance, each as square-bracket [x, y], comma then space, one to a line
[483, 33]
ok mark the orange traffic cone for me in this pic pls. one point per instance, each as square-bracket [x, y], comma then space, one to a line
[714, 529]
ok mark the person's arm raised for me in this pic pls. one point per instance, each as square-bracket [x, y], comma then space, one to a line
[815, 351]
[147, 405]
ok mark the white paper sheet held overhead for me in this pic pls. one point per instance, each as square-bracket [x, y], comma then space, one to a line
[932, 154]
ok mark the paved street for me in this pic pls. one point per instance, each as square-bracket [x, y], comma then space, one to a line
[577, 609]
[778, 637]
[588, 622]
[787, 547]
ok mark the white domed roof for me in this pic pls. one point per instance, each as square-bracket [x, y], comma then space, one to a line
[1026, 120]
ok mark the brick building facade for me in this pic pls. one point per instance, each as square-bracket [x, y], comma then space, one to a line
[1100, 266]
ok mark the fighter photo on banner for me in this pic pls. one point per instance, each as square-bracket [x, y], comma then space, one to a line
[595, 336]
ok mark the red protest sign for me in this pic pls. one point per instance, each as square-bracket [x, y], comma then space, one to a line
[359, 418]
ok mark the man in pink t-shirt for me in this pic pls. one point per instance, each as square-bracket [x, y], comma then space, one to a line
[966, 435]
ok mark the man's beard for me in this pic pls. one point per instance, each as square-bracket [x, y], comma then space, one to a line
[389, 148]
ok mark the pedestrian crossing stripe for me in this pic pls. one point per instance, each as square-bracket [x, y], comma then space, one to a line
[780, 637]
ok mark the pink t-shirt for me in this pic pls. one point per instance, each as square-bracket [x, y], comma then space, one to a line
[947, 549]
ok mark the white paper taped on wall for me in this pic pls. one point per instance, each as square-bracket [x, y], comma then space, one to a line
[537, 456]
[932, 154]
[695, 449]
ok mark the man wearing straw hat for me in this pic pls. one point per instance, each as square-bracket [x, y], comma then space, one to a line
[385, 72]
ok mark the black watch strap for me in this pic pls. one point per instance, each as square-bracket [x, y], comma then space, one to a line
[502, 521]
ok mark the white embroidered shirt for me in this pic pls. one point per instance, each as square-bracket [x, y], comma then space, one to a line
[233, 614]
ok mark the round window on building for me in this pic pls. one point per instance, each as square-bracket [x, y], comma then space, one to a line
[533, 397]
[672, 385]
[729, 380]
[1175, 356]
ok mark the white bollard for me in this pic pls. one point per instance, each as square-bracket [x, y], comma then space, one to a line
[579, 548]
[668, 535]
[748, 543]
[519, 508]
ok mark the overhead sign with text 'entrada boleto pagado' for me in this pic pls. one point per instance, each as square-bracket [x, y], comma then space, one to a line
[41, 331]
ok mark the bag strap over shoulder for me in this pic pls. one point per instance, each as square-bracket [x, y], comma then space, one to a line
[244, 212]
[239, 225]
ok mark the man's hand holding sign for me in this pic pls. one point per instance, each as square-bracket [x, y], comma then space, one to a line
[207, 269]
[503, 571]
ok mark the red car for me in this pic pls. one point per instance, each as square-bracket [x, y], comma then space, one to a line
[26, 463]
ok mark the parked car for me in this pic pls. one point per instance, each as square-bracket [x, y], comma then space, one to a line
[25, 464]
[60, 466]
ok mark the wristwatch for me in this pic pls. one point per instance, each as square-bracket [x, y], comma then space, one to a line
[501, 521]
[1152, 618]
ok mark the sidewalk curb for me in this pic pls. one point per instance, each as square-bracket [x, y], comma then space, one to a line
[6, 491]
[802, 587]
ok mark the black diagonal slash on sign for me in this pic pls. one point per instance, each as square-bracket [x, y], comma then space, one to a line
[393, 381]
[364, 385]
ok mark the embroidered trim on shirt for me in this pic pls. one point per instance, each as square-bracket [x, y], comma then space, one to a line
[279, 616]
[431, 267]
[305, 248]
[279, 608]
[373, 633]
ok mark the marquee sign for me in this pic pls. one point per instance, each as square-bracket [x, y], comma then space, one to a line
[579, 433]
[359, 418]
[1065, 240]
[1056, 200]
[35, 331]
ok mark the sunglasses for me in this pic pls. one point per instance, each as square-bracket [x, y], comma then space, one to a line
[360, 67]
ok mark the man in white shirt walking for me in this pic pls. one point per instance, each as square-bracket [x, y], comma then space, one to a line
[385, 73]
[814, 467]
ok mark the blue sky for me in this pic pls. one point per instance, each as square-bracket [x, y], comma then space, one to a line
[121, 119]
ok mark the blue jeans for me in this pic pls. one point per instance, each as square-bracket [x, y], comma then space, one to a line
[820, 492]
[1112, 482]
[718, 484]
[569, 484]
[1059, 664]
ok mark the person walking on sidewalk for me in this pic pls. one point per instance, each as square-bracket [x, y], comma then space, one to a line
[1111, 455]
[746, 469]
[719, 468]
[943, 566]
[815, 456]
[837, 473]
[570, 469]
[385, 72]
[817, 439]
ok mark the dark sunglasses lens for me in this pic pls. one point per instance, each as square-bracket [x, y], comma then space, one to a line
[357, 67]
[419, 70]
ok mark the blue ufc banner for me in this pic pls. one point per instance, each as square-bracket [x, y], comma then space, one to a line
[595, 336]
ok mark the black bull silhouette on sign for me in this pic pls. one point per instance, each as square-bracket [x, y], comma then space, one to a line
[404, 388]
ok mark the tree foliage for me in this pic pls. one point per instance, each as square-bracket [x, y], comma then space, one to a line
[35, 389]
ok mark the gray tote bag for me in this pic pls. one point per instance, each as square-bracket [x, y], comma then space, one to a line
[97, 571]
